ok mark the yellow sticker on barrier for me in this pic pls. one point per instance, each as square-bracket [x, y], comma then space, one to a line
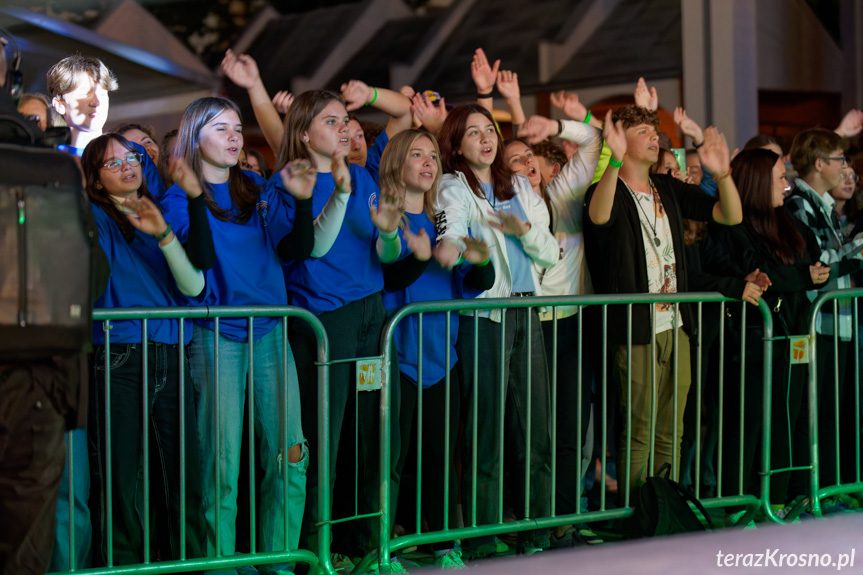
[368, 374]
[799, 349]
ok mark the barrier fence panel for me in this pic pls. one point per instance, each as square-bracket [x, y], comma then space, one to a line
[494, 412]
[192, 527]
[536, 512]
[834, 396]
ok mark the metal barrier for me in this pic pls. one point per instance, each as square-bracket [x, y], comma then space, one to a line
[185, 563]
[389, 545]
[855, 485]
[322, 560]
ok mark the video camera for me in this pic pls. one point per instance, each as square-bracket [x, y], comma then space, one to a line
[15, 128]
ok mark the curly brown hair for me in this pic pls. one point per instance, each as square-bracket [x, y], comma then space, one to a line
[550, 151]
[633, 115]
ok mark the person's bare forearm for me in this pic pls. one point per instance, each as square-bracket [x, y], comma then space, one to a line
[267, 116]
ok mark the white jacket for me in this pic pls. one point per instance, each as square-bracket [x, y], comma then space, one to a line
[565, 195]
[459, 213]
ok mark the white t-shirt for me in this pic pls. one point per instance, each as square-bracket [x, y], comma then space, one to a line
[661, 261]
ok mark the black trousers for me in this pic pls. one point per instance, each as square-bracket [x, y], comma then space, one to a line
[572, 419]
[435, 450]
[354, 331]
[32, 456]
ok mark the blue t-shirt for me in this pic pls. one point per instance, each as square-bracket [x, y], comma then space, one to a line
[351, 270]
[519, 261]
[374, 153]
[151, 172]
[140, 277]
[435, 283]
[247, 269]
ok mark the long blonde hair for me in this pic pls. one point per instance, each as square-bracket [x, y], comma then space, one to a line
[393, 163]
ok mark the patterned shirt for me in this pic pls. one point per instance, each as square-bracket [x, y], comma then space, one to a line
[818, 214]
[661, 261]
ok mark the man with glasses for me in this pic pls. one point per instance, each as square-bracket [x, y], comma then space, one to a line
[818, 155]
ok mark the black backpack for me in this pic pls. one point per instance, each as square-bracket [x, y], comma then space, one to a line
[662, 507]
[47, 235]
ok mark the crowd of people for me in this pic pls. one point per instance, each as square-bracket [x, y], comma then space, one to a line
[439, 206]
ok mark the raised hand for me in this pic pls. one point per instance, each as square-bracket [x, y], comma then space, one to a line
[569, 104]
[241, 69]
[507, 85]
[537, 129]
[752, 293]
[341, 171]
[146, 216]
[819, 273]
[419, 244]
[688, 126]
[615, 137]
[446, 253]
[646, 97]
[510, 224]
[851, 124]
[355, 94]
[183, 175]
[282, 101]
[389, 212]
[475, 251]
[299, 177]
[431, 116]
[484, 76]
[714, 153]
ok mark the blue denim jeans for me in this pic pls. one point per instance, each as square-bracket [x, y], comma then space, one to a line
[76, 444]
[275, 406]
[524, 406]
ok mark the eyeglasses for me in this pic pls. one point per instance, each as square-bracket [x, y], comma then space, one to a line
[838, 158]
[852, 177]
[133, 159]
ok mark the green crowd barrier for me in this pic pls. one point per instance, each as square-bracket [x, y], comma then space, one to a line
[604, 513]
[319, 559]
[184, 563]
[825, 314]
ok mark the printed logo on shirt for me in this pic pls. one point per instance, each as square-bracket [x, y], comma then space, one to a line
[261, 209]
[440, 222]
[669, 285]
[373, 200]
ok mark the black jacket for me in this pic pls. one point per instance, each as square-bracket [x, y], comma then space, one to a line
[790, 282]
[615, 251]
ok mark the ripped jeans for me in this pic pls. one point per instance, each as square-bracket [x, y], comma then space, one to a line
[274, 407]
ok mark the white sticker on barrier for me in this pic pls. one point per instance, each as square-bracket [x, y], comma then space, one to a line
[799, 349]
[368, 375]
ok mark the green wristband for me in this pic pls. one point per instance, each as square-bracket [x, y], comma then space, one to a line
[373, 99]
[164, 234]
[483, 264]
[614, 163]
[587, 118]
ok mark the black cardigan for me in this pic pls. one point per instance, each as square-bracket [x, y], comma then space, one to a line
[789, 282]
[615, 251]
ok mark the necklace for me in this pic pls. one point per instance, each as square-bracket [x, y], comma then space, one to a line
[656, 241]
